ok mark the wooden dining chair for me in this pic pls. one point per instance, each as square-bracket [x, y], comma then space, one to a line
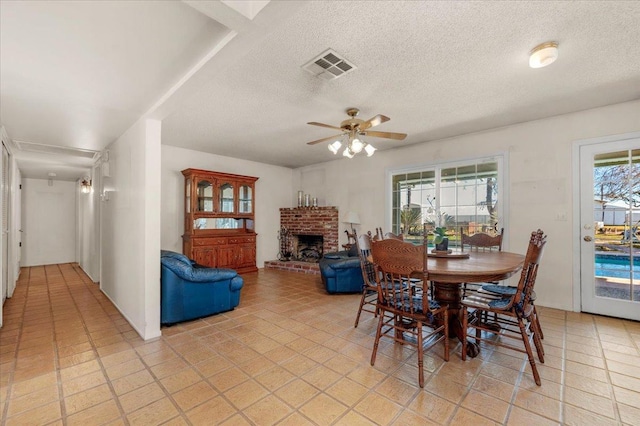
[479, 242]
[392, 236]
[514, 315]
[369, 297]
[408, 305]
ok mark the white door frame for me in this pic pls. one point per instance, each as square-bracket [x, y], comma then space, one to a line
[577, 233]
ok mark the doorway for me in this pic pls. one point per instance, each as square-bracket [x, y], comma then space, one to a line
[609, 182]
[4, 262]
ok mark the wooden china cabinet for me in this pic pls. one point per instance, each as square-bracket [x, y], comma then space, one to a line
[219, 225]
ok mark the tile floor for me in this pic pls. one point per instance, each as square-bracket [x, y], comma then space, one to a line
[289, 355]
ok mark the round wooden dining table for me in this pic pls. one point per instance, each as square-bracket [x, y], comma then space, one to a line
[448, 273]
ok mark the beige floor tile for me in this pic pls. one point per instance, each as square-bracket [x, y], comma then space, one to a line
[267, 411]
[629, 415]
[194, 395]
[140, 397]
[296, 419]
[578, 417]
[323, 409]
[445, 388]
[246, 394]
[467, 417]
[124, 369]
[38, 416]
[211, 366]
[493, 387]
[321, 377]
[299, 364]
[237, 420]
[626, 396]
[367, 376]
[131, 382]
[155, 413]
[588, 401]
[98, 414]
[229, 378]
[540, 404]
[275, 378]
[86, 399]
[486, 405]
[626, 382]
[398, 391]
[433, 407]
[181, 380]
[289, 355]
[354, 419]
[32, 400]
[297, 392]
[377, 408]
[214, 411]
[83, 383]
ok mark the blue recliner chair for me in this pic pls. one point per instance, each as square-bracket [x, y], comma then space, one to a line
[190, 291]
[341, 273]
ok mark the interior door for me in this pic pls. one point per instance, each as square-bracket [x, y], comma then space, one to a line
[4, 251]
[610, 228]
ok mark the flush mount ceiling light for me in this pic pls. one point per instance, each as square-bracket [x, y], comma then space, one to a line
[544, 54]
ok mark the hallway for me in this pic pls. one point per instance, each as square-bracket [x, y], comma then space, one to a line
[289, 355]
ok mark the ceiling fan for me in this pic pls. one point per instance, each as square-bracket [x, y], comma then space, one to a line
[352, 128]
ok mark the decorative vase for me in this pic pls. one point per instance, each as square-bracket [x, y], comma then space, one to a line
[444, 245]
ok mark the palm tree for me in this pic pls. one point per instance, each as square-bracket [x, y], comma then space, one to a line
[410, 218]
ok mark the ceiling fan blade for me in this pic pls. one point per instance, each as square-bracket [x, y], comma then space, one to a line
[374, 121]
[324, 139]
[386, 135]
[313, 123]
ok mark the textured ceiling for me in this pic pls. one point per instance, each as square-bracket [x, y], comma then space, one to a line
[437, 69]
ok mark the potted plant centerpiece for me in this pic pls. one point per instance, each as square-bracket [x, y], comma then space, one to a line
[440, 239]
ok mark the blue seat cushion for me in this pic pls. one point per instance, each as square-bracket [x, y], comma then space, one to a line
[502, 290]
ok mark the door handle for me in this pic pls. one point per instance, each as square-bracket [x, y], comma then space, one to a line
[588, 238]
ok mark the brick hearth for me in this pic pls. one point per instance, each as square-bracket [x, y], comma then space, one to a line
[293, 266]
[308, 221]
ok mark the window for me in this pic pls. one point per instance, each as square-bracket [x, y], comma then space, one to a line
[451, 195]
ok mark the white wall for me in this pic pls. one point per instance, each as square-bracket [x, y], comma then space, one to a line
[540, 182]
[48, 222]
[273, 190]
[130, 221]
[86, 236]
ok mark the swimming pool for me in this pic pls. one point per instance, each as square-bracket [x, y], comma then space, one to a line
[616, 266]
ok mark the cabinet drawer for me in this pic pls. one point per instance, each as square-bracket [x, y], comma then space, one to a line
[209, 241]
[241, 240]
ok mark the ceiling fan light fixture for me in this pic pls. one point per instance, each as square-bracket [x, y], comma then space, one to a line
[347, 153]
[356, 145]
[334, 147]
[369, 149]
[544, 54]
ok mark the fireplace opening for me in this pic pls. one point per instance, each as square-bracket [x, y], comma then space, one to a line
[307, 248]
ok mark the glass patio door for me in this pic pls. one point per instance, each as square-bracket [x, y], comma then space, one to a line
[610, 228]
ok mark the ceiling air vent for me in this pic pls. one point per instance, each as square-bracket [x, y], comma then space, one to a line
[329, 65]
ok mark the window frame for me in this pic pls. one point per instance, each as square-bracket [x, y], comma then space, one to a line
[501, 159]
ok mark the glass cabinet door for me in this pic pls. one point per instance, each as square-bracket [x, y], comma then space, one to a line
[205, 196]
[246, 199]
[187, 191]
[226, 198]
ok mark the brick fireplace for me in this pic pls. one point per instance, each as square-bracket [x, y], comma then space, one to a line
[317, 221]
